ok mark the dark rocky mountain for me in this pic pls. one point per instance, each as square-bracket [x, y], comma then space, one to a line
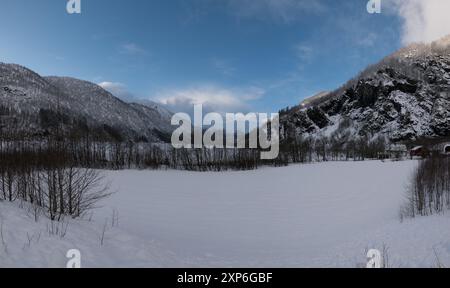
[38, 105]
[404, 97]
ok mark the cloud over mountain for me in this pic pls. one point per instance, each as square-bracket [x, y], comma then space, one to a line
[117, 89]
[213, 98]
[423, 21]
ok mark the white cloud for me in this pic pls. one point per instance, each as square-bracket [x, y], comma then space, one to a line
[423, 20]
[213, 99]
[117, 89]
[132, 49]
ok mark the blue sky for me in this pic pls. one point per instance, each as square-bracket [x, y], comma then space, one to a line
[231, 55]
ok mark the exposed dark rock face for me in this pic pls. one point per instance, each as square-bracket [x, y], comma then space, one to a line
[404, 97]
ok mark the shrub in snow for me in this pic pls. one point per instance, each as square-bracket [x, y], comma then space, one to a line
[48, 179]
[429, 190]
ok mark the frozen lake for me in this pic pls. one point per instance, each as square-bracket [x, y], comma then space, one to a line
[319, 215]
[299, 215]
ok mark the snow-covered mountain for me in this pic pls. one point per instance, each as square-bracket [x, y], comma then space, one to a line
[163, 111]
[32, 102]
[404, 97]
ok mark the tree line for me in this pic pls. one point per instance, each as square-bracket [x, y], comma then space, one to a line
[59, 175]
[48, 178]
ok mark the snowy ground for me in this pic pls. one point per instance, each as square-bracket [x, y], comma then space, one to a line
[25, 243]
[320, 215]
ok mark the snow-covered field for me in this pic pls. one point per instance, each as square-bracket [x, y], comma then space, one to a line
[319, 215]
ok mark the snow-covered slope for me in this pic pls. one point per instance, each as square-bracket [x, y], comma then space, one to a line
[31, 96]
[240, 219]
[315, 99]
[163, 111]
[25, 243]
[405, 96]
[103, 107]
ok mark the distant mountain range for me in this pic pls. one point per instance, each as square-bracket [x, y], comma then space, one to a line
[404, 97]
[38, 105]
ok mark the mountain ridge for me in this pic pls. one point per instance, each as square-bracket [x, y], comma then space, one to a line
[404, 97]
[32, 100]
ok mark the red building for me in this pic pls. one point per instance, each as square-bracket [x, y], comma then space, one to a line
[419, 151]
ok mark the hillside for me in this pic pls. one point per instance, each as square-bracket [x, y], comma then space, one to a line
[38, 105]
[404, 97]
